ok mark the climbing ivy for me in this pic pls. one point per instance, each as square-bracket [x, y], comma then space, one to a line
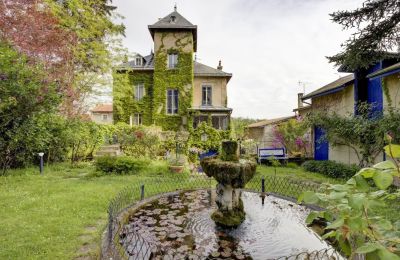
[124, 102]
[211, 137]
[180, 78]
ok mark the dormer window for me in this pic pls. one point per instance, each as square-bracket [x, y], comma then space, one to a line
[173, 18]
[172, 60]
[138, 61]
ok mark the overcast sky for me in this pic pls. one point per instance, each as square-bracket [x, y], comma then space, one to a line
[268, 45]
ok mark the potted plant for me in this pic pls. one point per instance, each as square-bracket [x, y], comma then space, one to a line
[177, 164]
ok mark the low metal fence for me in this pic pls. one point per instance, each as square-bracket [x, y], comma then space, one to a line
[136, 247]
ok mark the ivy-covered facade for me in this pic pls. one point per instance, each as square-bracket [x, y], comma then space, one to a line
[168, 87]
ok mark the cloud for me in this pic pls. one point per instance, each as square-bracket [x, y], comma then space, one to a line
[268, 45]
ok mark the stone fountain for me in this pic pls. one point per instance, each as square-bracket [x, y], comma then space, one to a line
[232, 174]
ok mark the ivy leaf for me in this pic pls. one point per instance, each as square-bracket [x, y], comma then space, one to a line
[310, 218]
[345, 246]
[362, 184]
[337, 195]
[384, 224]
[383, 180]
[339, 187]
[393, 150]
[385, 254]
[328, 216]
[335, 224]
[351, 181]
[367, 172]
[309, 197]
[329, 234]
[356, 223]
[357, 201]
[385, 165]
[368, 248]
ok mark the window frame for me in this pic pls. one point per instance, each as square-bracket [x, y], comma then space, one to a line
[136, 95]
[174, 110]
[104, 117]
[210, 88]
[137, 119]
[170, 64]
[223, 122]
[136, 61]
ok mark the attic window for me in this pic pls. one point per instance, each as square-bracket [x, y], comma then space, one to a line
[173, 18]
[138, 61]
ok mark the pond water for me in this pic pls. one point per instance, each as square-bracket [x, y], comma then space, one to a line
[180, 226]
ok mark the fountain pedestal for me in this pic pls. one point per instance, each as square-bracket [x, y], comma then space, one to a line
[232, 175]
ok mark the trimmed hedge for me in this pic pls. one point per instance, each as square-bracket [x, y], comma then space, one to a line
[331, 168]
[120, 164]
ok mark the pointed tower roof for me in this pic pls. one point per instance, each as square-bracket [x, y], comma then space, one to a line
[174, 22]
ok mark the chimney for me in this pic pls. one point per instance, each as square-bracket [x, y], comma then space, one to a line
[299, 100]
[219, 65]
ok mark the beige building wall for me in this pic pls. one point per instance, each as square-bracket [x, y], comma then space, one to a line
[342, 103]
[393, 84]
[170, 39]
[98, 118]
[219, 91]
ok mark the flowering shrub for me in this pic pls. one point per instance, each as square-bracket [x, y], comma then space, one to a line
[294, 136]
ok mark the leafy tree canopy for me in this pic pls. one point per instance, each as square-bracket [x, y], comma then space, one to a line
[377, 25]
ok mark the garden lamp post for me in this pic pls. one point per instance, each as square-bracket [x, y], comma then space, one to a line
[41, 162]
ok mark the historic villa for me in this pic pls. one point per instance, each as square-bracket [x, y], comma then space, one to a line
[168, 88]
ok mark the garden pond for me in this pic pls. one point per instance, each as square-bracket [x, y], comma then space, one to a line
[180, 226]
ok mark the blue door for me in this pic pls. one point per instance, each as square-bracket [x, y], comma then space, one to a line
[321, 147]
[375, 93]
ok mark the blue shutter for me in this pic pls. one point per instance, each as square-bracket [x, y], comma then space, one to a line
[375, 93]
[321, 148]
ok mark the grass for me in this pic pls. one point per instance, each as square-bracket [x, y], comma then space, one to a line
[297, 173]
[62, 214]
[52, 216]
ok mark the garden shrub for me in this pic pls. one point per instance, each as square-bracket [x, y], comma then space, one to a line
[120, 164]
[291, 165]
[331, 168]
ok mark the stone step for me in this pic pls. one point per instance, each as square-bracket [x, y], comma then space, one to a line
[110, 150]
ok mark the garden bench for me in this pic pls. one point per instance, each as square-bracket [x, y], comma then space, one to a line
[271, 153]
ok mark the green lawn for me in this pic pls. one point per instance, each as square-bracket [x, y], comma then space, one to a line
[62, 214]
[297, 173]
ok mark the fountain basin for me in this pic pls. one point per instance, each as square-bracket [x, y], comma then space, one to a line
[180, 226]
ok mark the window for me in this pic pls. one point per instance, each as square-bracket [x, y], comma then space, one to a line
[104, 117]
[206, 95]
[199, 119]
[139, 91]
[220, 122]
[138, 61]
[137, 119]
[172, 101]
[172, 60]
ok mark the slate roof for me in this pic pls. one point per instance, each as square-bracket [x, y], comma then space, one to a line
[103, 108]
[270, 121]
[174, 21]
[200, 70]
[389, 70]
[332, 87]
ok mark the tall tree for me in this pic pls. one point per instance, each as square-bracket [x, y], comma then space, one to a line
[25, 95]
[377, 35]
[93, 52]
[73, 39]
[34, 31]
